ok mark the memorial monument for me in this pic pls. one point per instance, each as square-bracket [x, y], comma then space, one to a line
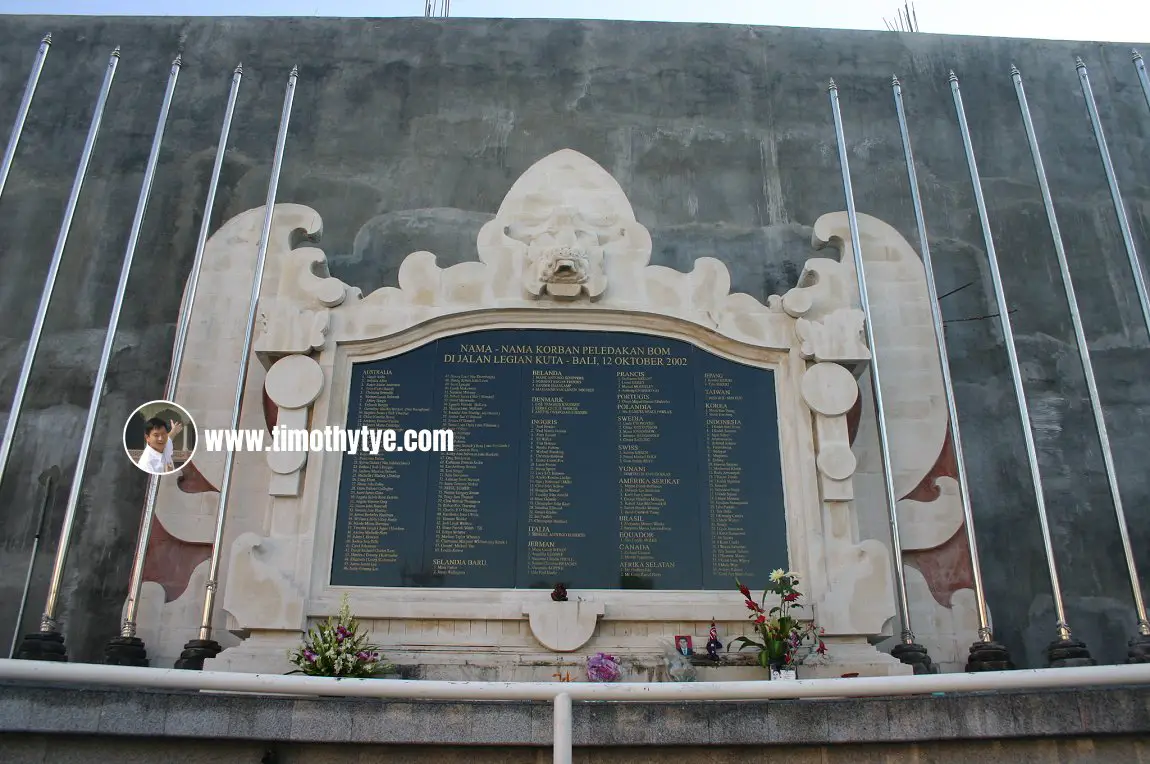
[638, 434]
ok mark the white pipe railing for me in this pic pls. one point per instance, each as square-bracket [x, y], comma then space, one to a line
[561, 739]
[563, 693]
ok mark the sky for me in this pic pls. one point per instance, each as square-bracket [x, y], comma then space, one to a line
[1097, 20]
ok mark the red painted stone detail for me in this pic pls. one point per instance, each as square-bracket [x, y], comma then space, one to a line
[191, 480]
[854, 416]
[170, 561]
[945, 465]
[271, 411]
[946, 568]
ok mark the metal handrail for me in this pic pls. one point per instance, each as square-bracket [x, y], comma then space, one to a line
[562, 694]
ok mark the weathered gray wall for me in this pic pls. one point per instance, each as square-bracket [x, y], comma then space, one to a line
[407, 134]
[84, 724]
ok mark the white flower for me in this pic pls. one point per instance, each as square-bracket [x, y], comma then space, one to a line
[777, 575]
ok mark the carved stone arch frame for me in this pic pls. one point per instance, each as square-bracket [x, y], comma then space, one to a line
[321, 485]
[564, 251]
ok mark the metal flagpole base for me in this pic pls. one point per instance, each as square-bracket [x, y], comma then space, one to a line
[1069, 653]
[197, 651]
[126, 651]
[1139, 649]
[43, 646]
[915, 655]
[988, 656]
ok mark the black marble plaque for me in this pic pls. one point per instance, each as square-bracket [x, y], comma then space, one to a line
[600, 460]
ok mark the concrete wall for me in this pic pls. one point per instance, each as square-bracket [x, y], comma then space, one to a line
[406, 135]
[65, 724]
[44, 749]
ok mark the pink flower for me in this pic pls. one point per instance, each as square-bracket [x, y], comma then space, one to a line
[602, 668]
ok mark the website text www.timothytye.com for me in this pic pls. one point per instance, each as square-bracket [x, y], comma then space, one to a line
[364, 440]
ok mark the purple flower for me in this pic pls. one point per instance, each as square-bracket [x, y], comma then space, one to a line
[602, 668]
[310, 656]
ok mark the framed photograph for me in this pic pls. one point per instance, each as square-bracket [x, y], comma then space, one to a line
[683, 645]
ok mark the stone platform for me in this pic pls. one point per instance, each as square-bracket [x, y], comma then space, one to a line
[63, 724]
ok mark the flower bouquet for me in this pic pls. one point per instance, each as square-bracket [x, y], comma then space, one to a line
[679, 666]
[338, 648]
[779, 636]
[603, 668]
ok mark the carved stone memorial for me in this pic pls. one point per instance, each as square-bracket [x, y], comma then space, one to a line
[637, 434]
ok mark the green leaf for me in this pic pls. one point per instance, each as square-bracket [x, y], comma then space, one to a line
[744, 642]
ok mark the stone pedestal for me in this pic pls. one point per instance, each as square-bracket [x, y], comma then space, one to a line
[854, 655]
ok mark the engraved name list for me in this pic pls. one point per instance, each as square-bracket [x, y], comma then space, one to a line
[601, 460]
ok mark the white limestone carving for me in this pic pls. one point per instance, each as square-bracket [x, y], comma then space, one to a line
[912, 383]
[825, 302]
[207, 390]
[294, 382]
[563, 626]
[916, 423]
[564, 251]
[212, 356]
[947, 631]
[565, 224]
[829, 389]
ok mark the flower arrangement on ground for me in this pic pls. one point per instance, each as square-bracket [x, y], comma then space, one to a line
[338, 648]
[602, 667]
[780, 636]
